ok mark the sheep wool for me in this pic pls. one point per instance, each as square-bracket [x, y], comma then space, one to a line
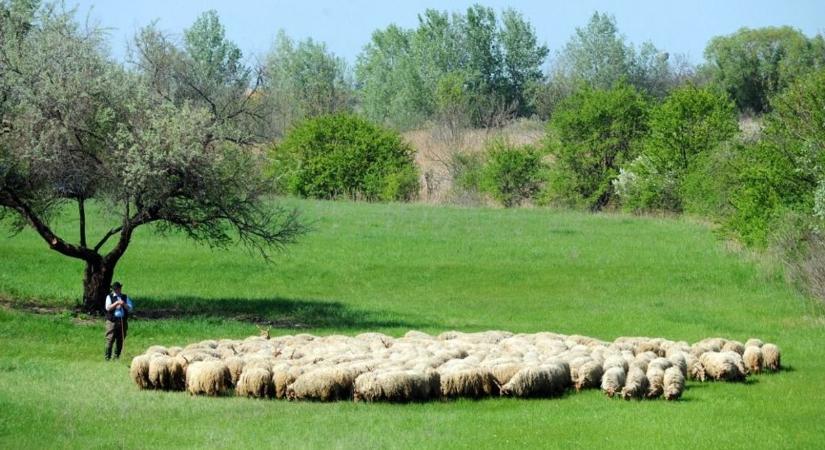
[165, 373]
[544, 381]
[468, 382]
[636, 384]
[208, 378]
[613, 381]
[327, 384]
[139, 371]
[589, 375]
[505, 372]
[753, 359]
[235, 365]
[771, 357]
[656, 380]
[721, 366]
[753, 342]
[255, 382]
[734, 346]
[674, 383]
[397, 386]
[679, 360]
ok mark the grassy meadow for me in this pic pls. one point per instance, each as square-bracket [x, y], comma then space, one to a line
[395, 267]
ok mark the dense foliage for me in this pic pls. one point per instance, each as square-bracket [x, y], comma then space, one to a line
[494, 59]
[688, 124]
[598, 132]
[512, 174]
[752, 65]
[344, 156]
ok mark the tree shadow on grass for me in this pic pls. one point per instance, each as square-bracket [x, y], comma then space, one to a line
[277, 312]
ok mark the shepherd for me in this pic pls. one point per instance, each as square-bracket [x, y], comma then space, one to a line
[118, 307]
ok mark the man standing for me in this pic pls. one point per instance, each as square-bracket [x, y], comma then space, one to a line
[118, 307]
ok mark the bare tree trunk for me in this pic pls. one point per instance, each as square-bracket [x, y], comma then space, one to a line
[97, 281]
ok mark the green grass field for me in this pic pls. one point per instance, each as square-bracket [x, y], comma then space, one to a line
[390, 268]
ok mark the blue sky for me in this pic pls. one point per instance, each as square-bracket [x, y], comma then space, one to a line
[345, 26]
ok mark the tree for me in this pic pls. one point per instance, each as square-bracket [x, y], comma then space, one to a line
[689, 122]
[684, 129]
[399, 71]
[161, 146]
[599, 56]
[304, 79]
[597, 131]
[752, 65]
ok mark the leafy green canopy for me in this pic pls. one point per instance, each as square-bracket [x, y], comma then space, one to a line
[685, 130]
[753, 65]
[399, 71]
[512, 175]
[597, 132]
[785, 172]
[345, 156]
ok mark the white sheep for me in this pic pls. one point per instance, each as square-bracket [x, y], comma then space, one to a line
[674, 383]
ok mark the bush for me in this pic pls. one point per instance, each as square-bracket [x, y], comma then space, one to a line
[684, 129]
[641, 187]
[782, 173]
[512, 175]
[597, 132]
[344, 156]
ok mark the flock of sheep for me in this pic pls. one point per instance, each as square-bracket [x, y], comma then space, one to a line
[421, 367]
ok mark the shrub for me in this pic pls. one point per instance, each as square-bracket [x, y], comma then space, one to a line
[684, 129]
[783, 172]
[641, 187]
[597, 131]
[512, 175]
[343, 155]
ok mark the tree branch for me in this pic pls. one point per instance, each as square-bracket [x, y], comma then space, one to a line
[55, 242]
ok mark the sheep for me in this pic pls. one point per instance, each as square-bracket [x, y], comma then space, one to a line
[613, 380]
[674, 383]
[696, 370]
[235, 364]
[157, 349]
[165, 373]
[139, 371]
[661, 363]
[679, 359]
[468, 382]
[208, 378]
[255, 382]
[544, 381]
[615, 361]
[588, 375]
[504, 372]
[173, 351]
[635, 385]
[397, 386]
[650, 346]
[754, 342]
[771, 357]
[753, 359]
[656, 379]
[325, 384]
[283, 376]
[734, 346]
[722, 366]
